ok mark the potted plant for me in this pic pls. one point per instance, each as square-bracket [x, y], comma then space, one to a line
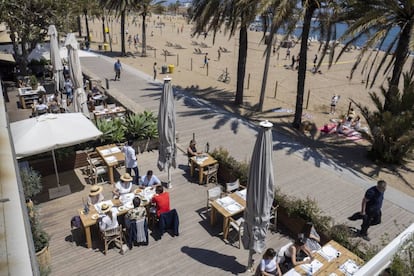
[32, 185]
[33, 82]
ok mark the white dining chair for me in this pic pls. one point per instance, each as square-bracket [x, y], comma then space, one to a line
[213, 194]
[237, 227]
[99, 107]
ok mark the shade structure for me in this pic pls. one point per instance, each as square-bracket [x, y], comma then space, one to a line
[55, 56]
[259, 196]
[166, 130]
[75, 70]
[51, 131]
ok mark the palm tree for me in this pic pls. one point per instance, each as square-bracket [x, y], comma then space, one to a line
[276, 14]
[211, 15]
[309, 6]
[392, 130]
[86, 7]
[120, 7]
[378, 20]
[144, 8]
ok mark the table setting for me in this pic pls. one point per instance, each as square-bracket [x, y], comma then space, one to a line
[349, 267]
[229, 204]
[329, 253]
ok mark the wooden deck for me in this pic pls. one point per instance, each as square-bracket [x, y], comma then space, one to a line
[199, 249]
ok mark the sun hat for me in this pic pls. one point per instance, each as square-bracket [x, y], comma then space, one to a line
[126, 177]
[95, 190]
[105, 208]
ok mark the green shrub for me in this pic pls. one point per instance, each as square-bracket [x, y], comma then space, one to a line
[307, 209]
[239, 170]
[141, 126]
[31, 182]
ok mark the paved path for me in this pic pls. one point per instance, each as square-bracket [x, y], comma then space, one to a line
[299, 171]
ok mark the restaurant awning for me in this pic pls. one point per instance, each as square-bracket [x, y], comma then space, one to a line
[8, 58]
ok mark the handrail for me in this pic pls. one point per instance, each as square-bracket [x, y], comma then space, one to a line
[383, 258]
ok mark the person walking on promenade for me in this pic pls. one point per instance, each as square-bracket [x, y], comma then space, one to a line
[117, 68]
[155, 70]
[371, 207]
[218, 54]
[131, 161]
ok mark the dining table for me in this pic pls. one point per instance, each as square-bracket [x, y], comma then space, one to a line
[201, 161]
[228, 206]
[332, 259]
[119, 205]
[112, 156]
[109, 112]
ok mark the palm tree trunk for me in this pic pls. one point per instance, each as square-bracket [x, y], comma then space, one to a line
[103, 29]
[123, 52]
[241, 66]
[302, 65]
[401, 54]
[144, 36]
[85, 11]
[266, 70]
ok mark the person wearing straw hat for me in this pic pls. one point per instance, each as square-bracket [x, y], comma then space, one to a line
[109, 220]
[95, 195]
[123, 186]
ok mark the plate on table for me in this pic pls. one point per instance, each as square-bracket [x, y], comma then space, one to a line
[129, 205]
[121, 208]
[137, 191]
[95, 216]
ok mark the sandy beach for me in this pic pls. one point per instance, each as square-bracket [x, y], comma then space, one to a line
[190, 75]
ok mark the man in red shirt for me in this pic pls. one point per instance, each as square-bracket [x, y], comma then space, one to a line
[161, 200]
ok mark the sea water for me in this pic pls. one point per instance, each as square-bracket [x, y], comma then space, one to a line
[314, 34]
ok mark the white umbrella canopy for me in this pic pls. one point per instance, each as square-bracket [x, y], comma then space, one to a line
[55, 55]
[75, 71]
[166, 130]
[49, 132]
[259, 196]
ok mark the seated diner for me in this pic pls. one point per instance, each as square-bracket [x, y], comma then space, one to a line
[296, 253]
[124, 186]
[149, 180]
[95, 195]
[161, 200]
[192, 150]
[312, 237]
[40, 108]
[109, 220]
[268, 265]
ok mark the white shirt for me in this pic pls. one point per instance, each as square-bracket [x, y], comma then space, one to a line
[123, 189]
[150, 182]
[130, 157]
[106, 223]
[268, 265]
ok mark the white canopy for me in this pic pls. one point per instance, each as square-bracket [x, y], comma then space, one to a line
[42, 51]
[51, 131]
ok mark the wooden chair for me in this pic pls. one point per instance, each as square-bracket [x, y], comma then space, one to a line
[238, 227]
[211, 174]
[112, 235]
[273, 215]
[213, 194]
[93, 159]
[97, 171]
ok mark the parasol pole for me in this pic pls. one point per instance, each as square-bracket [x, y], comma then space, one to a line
[56, 170]
[250, 261]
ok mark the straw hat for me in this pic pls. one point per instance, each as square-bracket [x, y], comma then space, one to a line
[105, 208]
[95, 190]
[126, 177]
